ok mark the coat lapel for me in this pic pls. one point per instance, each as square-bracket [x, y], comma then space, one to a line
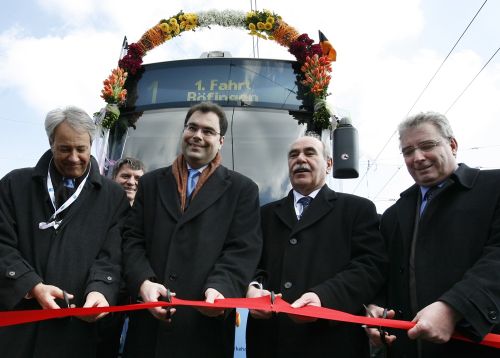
[322, 204]
[406, 211]
[212, 190]
[285, 211]
[167, 188]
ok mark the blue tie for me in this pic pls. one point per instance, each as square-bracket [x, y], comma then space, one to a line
[192, 179]
[305, 201]
[427, 198]
[69, 183]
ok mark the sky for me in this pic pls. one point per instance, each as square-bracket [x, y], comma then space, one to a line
[54, 53]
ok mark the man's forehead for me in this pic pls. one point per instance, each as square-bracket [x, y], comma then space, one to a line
[306, 143]
[207, 119]
[423, 132]
[127, 167]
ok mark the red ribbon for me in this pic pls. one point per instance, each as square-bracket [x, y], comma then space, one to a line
[9, 318]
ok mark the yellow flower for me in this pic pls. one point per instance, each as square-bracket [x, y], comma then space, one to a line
[252, 27]
[173, 21]
[250, 14]
[164, 27]
[268, 26]
[270, 20]
[261, 26]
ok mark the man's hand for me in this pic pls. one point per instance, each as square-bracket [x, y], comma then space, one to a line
[211, 294]
[374, 333]
[46, 295]
[435, 323]
[254, 292]
[307, 299]
[94, 299]
[150, 292]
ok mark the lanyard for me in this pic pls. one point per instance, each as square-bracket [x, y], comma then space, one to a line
[52, 222]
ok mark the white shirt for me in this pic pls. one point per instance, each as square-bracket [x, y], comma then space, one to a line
[298, 206]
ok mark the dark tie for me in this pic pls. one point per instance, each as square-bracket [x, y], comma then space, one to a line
[69, 183]
[427, 198]
[191, 184]
[305, 201]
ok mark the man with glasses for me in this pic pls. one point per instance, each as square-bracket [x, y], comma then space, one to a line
[443, 240]
[194, 229]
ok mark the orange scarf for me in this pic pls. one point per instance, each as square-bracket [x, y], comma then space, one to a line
[180, 171]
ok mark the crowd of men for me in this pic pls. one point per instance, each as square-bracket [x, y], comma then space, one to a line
[70, 237]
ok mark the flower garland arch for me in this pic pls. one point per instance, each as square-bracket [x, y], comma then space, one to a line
[314, 59]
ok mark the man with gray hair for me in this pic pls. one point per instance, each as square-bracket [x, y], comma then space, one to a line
[60, 242]
[321, 248]
[443, 240]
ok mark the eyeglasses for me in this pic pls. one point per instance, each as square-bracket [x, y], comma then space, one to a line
[425, 147]
[206, 132]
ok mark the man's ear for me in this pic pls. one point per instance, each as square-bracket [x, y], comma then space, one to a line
[454, 146]
[221, 142]
[329, 165]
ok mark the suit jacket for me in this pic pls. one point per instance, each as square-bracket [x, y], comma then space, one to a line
[81, 256]
[215, 243]
[336, 251]
[457, 258]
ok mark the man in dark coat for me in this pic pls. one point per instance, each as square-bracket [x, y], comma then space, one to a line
[197, 235]
[326, 252]
[59, 231]
[443, 239]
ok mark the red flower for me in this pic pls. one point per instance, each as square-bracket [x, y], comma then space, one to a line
[132, 61]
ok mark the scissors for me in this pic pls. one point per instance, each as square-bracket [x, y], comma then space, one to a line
[169, 300]
[381, 332]
[66, 299]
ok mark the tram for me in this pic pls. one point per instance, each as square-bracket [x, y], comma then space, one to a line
[261, 98]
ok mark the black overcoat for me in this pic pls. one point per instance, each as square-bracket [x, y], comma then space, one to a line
[336, 251]
[457, 258]
[81, 256]
[215, 243]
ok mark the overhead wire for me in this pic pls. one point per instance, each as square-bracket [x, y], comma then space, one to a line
[416, 101]
[467, 87]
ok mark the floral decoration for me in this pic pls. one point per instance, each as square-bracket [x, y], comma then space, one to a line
[315, 66]
[114, 94]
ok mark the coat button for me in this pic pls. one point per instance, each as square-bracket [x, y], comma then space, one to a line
[492, 314]
[173, 277]
[12, 273]
[109, 278]
[288, 284]
[293, 241]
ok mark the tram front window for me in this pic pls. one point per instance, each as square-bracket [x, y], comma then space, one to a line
[255, 144]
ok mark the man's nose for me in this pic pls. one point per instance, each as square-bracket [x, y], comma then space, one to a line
[73, 156]
[418, 155]
[301, 158]
[131, 181]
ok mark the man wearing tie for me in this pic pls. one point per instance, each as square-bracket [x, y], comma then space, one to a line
[443, 239]
[59, 239]
[194, 229]
[321, 248]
